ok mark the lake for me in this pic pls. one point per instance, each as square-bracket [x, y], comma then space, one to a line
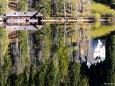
[56, 54]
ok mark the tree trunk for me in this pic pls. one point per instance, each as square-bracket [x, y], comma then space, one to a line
[64, 9]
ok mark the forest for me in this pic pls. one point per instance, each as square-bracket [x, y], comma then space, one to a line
[50, 62]
[45, 58]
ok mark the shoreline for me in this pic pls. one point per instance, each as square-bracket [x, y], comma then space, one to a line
[88, 19]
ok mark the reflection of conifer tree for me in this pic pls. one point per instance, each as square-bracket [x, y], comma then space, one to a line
[95, 74]
[84, 72]
[55, 8]
[73, 74]
[109, 63]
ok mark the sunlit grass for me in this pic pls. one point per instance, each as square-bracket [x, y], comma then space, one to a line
[102, 31]
[102, 9]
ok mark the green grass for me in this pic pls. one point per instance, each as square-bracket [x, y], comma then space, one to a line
[102, 31]
[102, 9]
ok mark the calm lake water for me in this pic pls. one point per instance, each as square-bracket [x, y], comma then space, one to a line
[50, 54]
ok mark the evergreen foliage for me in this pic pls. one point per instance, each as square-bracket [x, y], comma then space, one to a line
[50, 64]
[22, 5]
[109, 63]
[3, 6]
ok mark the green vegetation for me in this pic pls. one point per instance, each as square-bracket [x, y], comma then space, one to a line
[49, 63]
[97, 16]
[3, 6]
[61, 8]
[5, 69]
[24, 52]
[63, 64]
[101, 9]
[46, 57]
[22, 5]
[5, 60]
[98, 31]
[109, 63]
[4, 42]
[73, 74]
[44, 7]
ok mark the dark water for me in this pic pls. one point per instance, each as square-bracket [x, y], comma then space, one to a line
[58, 54]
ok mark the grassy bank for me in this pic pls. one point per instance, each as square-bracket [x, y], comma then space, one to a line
[99, 31]
[100, 10]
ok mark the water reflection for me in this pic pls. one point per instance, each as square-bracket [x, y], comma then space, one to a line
[22, 20]
[39, 46]
[57, 46]
[96, 52]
